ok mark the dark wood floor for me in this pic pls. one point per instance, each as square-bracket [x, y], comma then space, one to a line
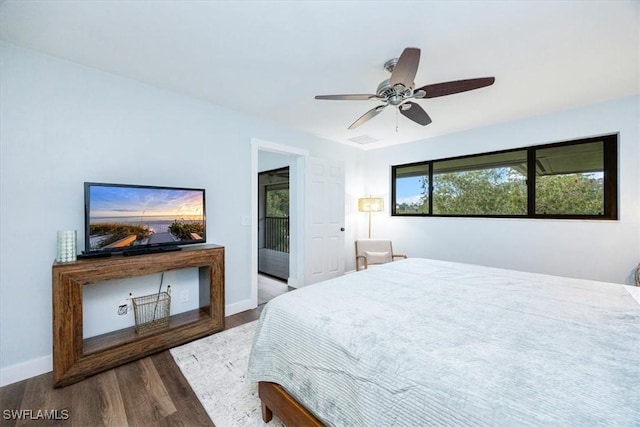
[148, 392]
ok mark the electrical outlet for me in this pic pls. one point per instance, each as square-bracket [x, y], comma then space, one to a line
[184, 296]
[124, 307]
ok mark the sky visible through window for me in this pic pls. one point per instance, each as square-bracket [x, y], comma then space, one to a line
[408, 190]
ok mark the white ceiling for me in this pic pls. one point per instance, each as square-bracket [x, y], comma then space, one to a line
[270, 58]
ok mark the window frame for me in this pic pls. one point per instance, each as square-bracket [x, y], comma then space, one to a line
[610, 184]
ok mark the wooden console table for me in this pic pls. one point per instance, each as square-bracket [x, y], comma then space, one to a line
[75, 358]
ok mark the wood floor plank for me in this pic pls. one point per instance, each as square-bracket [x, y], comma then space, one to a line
[141, 406]
[33, 399]
[97, 401]
[189, 411]
[60, 400]
[37, 409]
[242, 318]
[10, 399]
[157, 391]
[114, 413]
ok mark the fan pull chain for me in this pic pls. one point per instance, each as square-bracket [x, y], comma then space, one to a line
[396, 119]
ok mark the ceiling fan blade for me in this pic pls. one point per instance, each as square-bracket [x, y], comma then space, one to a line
[351, 97]
[368, 115]
[457, 86]
[413, 111]
[406, 68]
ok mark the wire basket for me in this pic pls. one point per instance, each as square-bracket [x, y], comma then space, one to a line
[152, 312]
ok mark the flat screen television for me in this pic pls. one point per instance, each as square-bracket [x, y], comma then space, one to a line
[139, 218]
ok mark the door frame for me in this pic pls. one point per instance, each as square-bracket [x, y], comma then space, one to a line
[298, 181]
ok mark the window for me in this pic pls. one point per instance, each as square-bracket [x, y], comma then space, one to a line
[574, 179]
[493, 184]
[411, 184]
[570, 180]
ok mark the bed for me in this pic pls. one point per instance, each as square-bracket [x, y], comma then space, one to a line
[426, 342]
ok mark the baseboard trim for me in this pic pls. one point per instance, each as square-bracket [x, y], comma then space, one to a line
[238, 307]
[24, 370]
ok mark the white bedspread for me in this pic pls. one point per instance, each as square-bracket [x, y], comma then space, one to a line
[421, 342]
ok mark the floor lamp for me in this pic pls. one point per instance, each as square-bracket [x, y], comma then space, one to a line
[370, 204]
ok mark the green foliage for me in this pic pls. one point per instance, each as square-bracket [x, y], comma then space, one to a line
[570, 194]
[277, 223]
[498, 191]
[278, 203]
[118, 231]
[183, 230]
[412, 208]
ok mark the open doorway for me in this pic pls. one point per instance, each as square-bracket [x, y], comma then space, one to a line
[273, 233]
[276, 159]
[273, 223]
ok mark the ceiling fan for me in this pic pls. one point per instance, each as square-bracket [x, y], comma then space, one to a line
[399, 89]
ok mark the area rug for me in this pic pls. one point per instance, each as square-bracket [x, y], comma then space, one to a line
[216, 369]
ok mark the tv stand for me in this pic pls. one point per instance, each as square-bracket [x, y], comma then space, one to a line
[75, 358]
[152, 250]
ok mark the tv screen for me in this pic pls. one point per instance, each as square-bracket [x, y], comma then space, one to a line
[121, 218]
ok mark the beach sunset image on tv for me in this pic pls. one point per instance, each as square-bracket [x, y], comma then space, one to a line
[127, 216]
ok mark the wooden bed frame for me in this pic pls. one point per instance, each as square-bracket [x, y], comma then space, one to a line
[275, 400]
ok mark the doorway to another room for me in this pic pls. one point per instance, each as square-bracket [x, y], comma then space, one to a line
[316, 214]
[273, 233]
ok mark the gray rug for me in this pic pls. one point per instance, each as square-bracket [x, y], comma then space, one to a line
[216, 369]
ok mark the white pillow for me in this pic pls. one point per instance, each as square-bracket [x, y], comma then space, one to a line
[377, 257]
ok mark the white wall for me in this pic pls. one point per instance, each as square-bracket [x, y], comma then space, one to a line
[63, 124]
[599, 250]
[100, 300]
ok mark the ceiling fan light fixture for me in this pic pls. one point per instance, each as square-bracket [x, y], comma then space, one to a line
[390, 65]
[395, 99]
[400, 87]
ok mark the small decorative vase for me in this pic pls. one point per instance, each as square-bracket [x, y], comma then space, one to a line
[66, 246]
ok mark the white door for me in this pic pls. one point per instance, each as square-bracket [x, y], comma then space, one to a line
[324, 213]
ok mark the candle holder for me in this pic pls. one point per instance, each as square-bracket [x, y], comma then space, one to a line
[67, 246]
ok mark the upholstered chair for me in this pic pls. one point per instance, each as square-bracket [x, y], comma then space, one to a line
[371, 252]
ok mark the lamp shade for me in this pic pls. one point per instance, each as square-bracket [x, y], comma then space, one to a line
[371, 204]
